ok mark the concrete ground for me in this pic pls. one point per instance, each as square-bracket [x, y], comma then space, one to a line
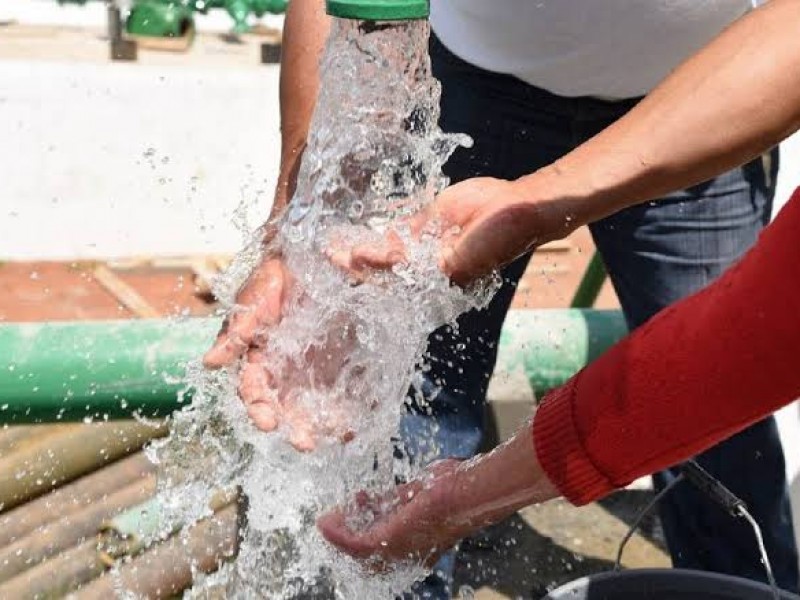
[545, 546]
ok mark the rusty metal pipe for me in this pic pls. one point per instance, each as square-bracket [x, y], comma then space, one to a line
[132, 530]
[12, 437]
[70, 530]
[72, 497]
[166, 569]
[58, 576]
[67, 454]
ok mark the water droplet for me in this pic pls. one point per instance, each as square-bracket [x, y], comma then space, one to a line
[466, 592]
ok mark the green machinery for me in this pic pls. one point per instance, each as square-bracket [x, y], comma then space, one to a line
[174, 18]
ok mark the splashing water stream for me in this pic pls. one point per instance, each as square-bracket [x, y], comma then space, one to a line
[343, 355]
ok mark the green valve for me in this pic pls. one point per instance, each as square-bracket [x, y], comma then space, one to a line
[379, 10]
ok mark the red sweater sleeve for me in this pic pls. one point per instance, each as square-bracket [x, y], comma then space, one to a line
[698, 372]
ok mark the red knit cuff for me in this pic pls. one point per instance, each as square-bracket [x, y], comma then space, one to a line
[560, 451]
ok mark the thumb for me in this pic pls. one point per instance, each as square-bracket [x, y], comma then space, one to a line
[334, 529]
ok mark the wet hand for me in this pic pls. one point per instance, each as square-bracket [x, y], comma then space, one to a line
[415, 522]
[481, 223]
[272, 402]
[422, 519]
[259, 305]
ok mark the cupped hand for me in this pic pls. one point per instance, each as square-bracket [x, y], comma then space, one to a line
[452, 499]
[259, 305]
[271, 401]
[414, 522]
[482, 224]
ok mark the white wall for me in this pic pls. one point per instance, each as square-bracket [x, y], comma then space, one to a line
[103, 160]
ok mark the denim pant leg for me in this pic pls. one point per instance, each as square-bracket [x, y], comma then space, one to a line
[655, 255]
[512, 138]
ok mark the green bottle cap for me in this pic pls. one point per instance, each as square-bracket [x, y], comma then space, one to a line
[379, 10]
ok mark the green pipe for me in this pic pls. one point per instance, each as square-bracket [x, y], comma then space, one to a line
[550, 346]
[112, 369]
[96, 370]
[591, 283]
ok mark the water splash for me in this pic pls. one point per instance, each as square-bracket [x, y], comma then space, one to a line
[344, 355]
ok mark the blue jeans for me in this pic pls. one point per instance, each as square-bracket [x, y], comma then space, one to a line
[655, 253]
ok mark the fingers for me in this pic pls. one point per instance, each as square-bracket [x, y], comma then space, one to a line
[381, 255]
[264, 415]
[457, 267]
[266, 411]
[227, 348]
[259, 305]
[334, 529]
[255, 390]
[301, 431]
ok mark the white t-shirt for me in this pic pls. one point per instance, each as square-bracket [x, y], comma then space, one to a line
[602, 48]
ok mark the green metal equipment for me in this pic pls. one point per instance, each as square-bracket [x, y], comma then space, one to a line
[160, 18]
[71, 371]
[173, 18]
[379, 10]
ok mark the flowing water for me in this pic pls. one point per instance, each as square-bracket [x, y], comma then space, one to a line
[344, 354]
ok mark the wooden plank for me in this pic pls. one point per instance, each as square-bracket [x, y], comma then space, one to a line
[127, 296]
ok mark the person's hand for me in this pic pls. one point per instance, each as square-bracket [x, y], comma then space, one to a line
[259, 306]
[420, 520]
[412, 523]
[482, 224]
[272, 401]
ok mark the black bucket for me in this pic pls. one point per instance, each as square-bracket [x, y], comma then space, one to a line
[664, 584]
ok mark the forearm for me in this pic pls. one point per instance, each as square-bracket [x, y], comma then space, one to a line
[305, 30]
[737, 97]
[495, 485]
[694, 375]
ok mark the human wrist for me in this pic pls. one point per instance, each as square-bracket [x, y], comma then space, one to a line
[495, 485]
[555, 203]
[586, 185]
[291, 158]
